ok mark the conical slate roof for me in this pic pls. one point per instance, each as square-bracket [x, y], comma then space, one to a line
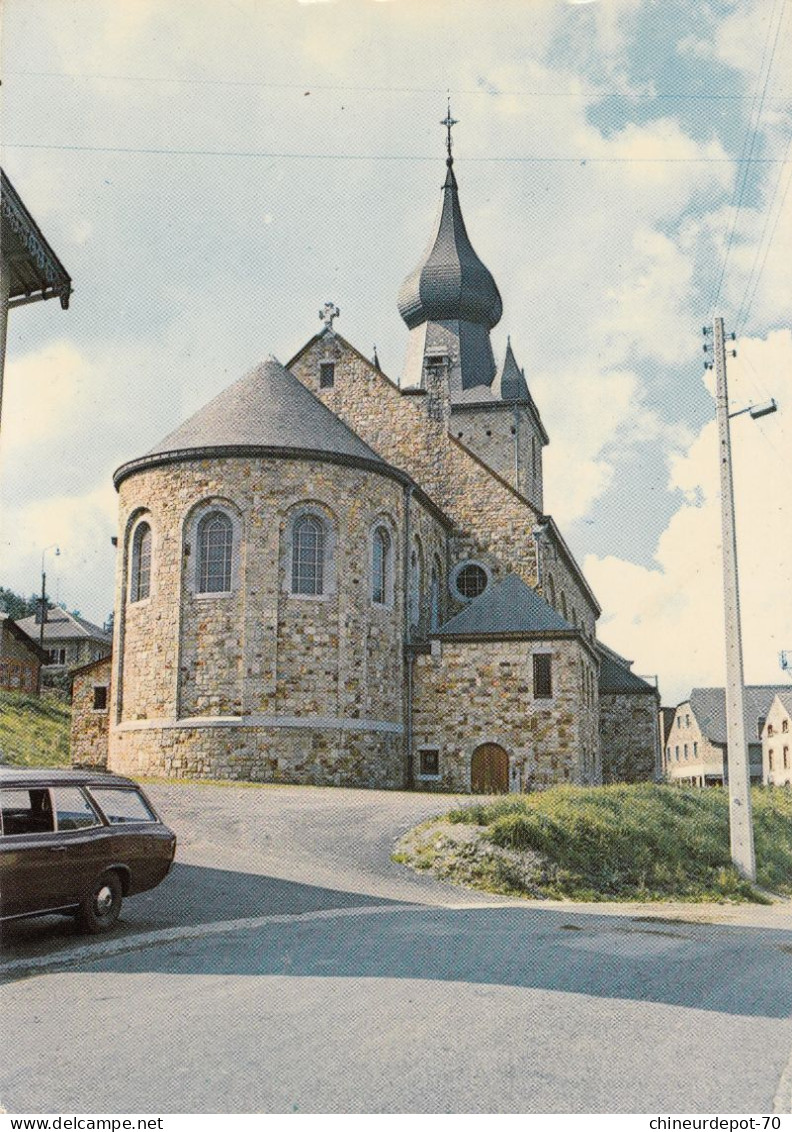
[511, 379]
[451, 282]
[267, 408]
[507, 607]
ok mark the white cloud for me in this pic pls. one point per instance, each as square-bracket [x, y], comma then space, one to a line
[670, 617]
[81, 526]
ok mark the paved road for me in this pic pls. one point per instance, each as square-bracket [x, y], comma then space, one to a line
[288, 965]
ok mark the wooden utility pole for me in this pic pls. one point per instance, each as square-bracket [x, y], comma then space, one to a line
[740, 820]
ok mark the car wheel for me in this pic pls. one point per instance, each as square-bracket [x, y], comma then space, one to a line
[102, 904]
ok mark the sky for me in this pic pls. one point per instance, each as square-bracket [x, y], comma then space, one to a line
[211, 172]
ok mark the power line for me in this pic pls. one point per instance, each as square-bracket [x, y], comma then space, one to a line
[475, 159]
[484, 89]
[750, 139]
[767, 246]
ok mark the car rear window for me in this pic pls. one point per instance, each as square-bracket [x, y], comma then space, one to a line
[121, 805]
[26, 810]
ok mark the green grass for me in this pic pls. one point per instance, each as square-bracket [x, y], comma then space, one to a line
[34, 730]
[643, 842]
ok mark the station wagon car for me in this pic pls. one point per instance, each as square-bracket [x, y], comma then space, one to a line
[77, 842]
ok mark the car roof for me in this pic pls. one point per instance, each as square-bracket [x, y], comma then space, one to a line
[59, 776]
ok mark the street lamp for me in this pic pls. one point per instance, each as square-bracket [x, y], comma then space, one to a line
[740, 822]
[43, 609]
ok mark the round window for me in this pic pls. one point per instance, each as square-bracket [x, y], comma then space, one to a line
[471, 580]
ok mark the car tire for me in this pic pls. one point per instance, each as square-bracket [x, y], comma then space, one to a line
[102, 904]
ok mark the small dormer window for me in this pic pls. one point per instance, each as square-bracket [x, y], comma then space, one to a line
[326, 375]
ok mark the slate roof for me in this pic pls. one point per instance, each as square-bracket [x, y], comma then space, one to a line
[508, 607]
[267, 408]
[709, 707]
[616, 678]
[450, 282]
[63, 626]
[511, 379]
[786, 699]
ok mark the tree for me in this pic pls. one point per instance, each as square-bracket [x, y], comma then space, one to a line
[17, 606]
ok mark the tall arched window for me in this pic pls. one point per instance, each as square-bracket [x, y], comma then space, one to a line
[550, 588]
[307, 555]
[434, 597]
[563, 605]
[140, 586]
[416, 582]
[381, 567]
[215, 543]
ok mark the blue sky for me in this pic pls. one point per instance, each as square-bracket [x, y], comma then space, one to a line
[210, 173]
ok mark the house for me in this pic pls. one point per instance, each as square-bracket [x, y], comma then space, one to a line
[777, 741]
[20, 658]
[329, 576]
[695, 752]
[69, 640]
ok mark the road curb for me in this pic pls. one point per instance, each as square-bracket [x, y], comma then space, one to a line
[106, 948]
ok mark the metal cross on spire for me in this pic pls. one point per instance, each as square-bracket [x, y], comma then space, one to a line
[448, 122]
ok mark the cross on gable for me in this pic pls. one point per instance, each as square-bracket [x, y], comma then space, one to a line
[329, 312]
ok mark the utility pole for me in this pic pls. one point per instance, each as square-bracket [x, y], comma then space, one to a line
[740, 821]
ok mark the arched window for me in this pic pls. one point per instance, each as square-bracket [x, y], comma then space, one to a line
[308, 539]
[215, 542]
[550, 588]
[416, 583]
[140, 586]
[563, 605]
[381, 569]
[434, 597]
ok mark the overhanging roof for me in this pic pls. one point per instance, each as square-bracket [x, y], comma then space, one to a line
[35, 272]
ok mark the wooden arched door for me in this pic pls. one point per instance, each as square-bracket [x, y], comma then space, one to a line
[489, 770]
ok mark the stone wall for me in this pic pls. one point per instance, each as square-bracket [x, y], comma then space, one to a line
[505, 438]
[248, 751]
[411, 432]
[258, 653]
[470, 693]
[89, 725]
[630, 736]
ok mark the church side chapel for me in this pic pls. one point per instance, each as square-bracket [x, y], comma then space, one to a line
[327, 576]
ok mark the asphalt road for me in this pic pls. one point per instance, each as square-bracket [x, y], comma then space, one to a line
[288, 965]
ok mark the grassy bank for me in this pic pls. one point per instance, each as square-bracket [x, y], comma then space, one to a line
[34, 730]
[642, 842]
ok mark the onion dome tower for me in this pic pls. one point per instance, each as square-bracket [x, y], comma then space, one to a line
[450, 303]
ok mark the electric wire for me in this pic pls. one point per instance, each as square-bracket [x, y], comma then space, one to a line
[750, 138]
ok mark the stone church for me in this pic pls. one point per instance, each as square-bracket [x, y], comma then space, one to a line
[328, 576]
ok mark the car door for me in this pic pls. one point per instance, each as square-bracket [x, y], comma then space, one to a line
[29, 852]
[82, 841]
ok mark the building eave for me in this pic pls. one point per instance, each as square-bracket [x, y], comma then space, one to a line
[35, 271]
[569, 559]
[255, 451]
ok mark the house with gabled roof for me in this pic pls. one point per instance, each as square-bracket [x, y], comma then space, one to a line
[777, 741]
[20, 658]
[330, 576]
[696, 747]
[69, 640]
